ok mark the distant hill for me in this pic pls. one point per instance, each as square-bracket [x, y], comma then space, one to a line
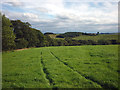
[84, 36]
[95, 37]
[108, 33]
[98, 37]
[47, 33]
[74, 34]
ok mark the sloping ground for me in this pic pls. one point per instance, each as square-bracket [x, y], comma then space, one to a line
[62, 67]
[98, 37]
[53, 35]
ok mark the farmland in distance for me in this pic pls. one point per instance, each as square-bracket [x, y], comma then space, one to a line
[98, 37]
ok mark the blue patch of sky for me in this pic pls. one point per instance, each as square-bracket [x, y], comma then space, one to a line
[23, 10]
[46, 16]
[91, 4]
[50, 16]
[115, 3]
[72, 4]
[67, 4]
[98, 5]
[12, 9]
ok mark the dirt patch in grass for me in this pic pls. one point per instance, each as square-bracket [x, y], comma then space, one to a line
[21, 49]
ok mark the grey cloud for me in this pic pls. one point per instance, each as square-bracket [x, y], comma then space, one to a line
[75, 26]
[41, 9]
[60, 25]
[62, 17]
[15, 4]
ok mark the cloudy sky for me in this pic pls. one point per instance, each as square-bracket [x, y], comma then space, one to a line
[60, 16]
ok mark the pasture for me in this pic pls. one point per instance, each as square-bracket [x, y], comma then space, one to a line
[61, 67]
[98, 37]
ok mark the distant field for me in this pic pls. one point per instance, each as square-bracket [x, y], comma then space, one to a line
[94, 38]
[98, 37]
[53, 35]
[61, 67]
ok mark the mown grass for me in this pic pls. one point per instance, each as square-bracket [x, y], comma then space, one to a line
[62, 67]
[23, 69]
[61, 75]
[97, 63]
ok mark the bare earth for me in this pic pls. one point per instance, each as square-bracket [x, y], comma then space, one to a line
[21, 49]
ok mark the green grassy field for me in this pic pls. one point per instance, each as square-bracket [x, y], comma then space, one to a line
[61, 67]
[98, 37]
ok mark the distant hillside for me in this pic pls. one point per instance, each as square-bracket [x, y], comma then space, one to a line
[52, 35]
[98, 37]
[84, 36]
[108, 33]
[47, 33]
[75, 34]
[87, 37]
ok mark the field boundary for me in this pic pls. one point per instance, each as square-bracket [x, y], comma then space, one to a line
[86, 77]
[22, 49]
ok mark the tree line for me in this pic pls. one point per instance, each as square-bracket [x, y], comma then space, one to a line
[75, 34]
[17, 35]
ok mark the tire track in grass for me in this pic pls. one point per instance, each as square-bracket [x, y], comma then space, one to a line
[47, 78]
[88, 78]
[60, 80]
